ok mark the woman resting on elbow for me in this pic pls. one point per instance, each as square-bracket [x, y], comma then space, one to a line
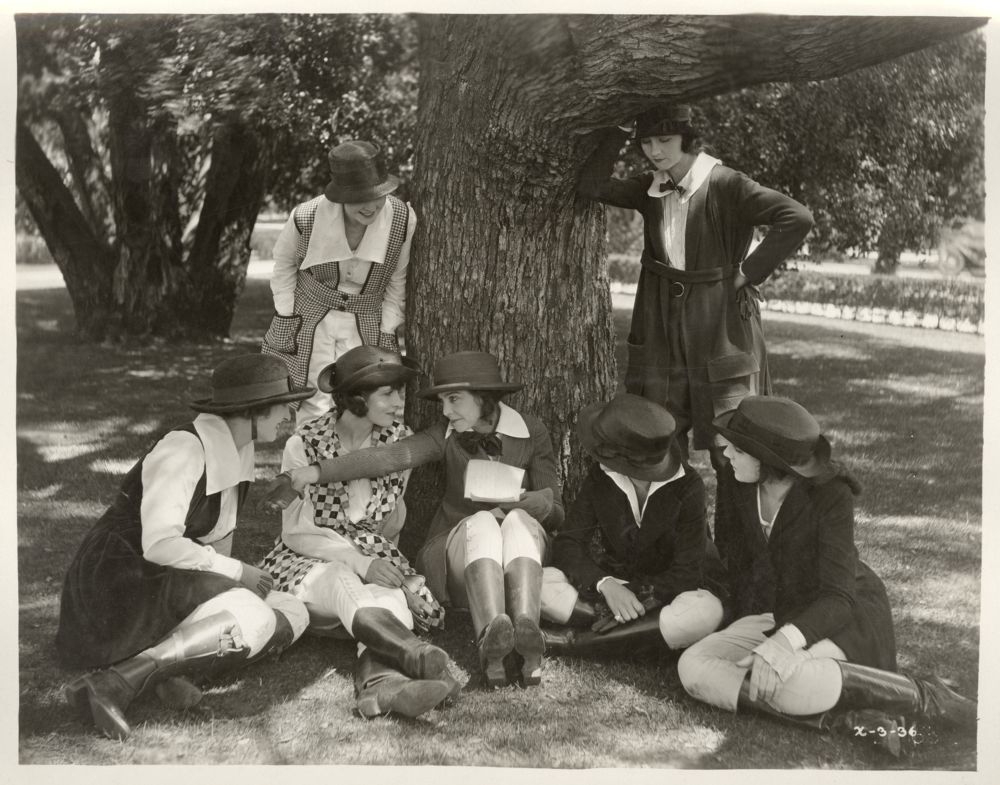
[813, 638]
[483, 555]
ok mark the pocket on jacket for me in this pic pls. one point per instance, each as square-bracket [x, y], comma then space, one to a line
[282, 335]
[635, 371]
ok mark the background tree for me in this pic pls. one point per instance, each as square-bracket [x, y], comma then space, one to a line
[146, 146]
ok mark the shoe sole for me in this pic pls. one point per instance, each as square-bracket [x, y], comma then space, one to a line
[497, 642]
[411, 700]
[530, 644]
[107, 718]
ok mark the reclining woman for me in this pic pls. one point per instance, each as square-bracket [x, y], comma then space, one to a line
[634, 560]
[153, 591]
[813, 639]
[338, 547]
[482, 555]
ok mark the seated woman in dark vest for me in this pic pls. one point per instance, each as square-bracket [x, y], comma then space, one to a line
[153, 591]
[812, 640]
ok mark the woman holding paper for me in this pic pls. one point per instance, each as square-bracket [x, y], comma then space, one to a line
[484, 552]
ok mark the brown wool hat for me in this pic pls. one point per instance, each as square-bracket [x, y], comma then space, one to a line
[249, 381]
[631, 435]
[467, 371]
[358, 174]
[366, 366]
[778, 432]
[663, 120]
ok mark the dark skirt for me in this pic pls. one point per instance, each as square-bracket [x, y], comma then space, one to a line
[115, 603]
[869, 639]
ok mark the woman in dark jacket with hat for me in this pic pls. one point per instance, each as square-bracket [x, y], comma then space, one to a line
[153, 591]
[695, 345]
[338, 546]
[339, 277]
[633, 561]
[484, 555]
[813, 634]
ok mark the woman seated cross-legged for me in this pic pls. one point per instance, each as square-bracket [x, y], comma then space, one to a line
[813, 640]
[485, 555]
[633, 562]
[338, 547]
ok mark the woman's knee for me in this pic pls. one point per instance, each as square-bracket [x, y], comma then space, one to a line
[521, 537]
[483, 539]
[254, 616]
[690, 617]
[292, 608]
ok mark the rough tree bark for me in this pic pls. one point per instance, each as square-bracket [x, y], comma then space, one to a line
[506, 258]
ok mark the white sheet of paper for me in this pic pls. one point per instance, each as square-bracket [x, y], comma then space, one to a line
[492, 481]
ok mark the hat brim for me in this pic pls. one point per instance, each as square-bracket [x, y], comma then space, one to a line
[373, 376]
[654, 472]
[817, 464]
[208, 406]
[504, 387]
[343, 195]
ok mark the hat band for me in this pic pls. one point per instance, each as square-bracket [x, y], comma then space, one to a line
[371, 174]
[251, 392]
[470, 379]
[792, 451]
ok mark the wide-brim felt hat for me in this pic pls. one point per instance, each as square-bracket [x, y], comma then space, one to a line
[663, 120]
[631, 435]
[358, 174]
[778, 432]
[468, 371]
[250, 381]
[366, 366]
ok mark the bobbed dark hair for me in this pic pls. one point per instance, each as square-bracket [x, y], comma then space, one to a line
[356, 401]
[690, 141]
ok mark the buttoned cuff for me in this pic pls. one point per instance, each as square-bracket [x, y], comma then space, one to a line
[619, 581]
[794, 636]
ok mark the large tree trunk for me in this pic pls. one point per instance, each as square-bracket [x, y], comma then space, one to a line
[506, 258]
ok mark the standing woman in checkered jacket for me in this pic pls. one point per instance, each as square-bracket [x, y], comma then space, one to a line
[338, 546]
[339, 277]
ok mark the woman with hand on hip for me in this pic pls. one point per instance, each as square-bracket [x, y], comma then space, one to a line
[338, 547]
[483, 555]
[339, 277]
[812, 640]
[153, 591]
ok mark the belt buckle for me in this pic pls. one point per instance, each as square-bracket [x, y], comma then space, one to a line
[679, 291]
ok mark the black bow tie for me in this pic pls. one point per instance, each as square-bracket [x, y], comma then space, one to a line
[670, 185]
[471, 440]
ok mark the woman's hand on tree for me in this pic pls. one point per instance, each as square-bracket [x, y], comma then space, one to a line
[384, 573]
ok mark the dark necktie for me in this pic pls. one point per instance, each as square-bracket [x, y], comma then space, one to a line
[472, 440]
[670, 185]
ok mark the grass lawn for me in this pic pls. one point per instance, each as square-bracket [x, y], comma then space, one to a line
[903, 407]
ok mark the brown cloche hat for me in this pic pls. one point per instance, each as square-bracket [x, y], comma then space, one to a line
[663, 120]
[366, 366]
[467, 371]
[778, 432]
[631, 435]
[249, 381]
[358, 174]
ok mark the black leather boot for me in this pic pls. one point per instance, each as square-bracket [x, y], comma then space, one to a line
[189, 648]
[492, 626]
[381, 689]
[620, 640]
[523, 584]
[397, 645]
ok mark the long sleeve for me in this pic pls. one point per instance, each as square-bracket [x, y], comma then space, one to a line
[571, 547]
[596, 181]
[684, 572]
[394, 300]
[285, 269]
[170, 475]
[788, 224]
[424, 447]
[542, 473]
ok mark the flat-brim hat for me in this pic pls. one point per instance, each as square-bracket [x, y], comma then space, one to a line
[778, 432]
[250, 381]
[366, 366]
[631, 435]
[468, 371]
[358, 174]
[663, 121]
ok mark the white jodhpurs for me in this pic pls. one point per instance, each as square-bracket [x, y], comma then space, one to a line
[254, 616]
[333, 592]
[709, 672]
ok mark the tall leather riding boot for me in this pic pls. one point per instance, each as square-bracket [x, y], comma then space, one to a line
[910, 697]
[523, 587]
[396, 644]
[380, 689]
[492, 626]
[189, 648]
[623, 639]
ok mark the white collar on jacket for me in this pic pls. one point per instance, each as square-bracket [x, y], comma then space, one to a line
[624, 482]
[328, 241]
[225, 466]
[695, 178]
[510, 423]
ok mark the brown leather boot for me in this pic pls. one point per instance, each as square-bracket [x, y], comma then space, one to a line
[381, 689]
[397, 645]
[189, 648]
[523, 584]
[618, 641]
[493, 628]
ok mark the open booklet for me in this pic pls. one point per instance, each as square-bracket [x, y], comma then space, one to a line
[492, 481]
